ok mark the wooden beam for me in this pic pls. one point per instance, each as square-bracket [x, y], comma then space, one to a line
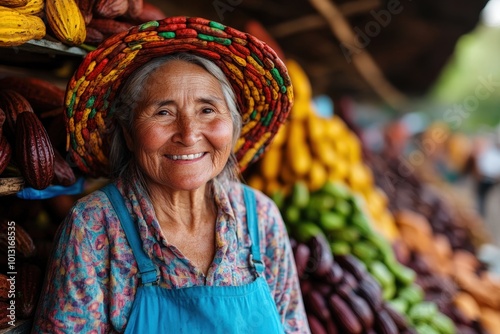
[359, 57]
[315, 21]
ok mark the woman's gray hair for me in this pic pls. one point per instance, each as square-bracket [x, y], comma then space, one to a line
[121, 160]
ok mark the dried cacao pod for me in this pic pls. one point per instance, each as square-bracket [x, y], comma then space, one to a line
[4, 288]
[17, 28]
[63, 173]
[66, 21]
[5, 153]
[22, 241]
[12, 103]
[109, 27]
[34, 153]
[13, 3]
[32, 7]
[110, 8]
[42, 95]
[28, 283]
[87, 9]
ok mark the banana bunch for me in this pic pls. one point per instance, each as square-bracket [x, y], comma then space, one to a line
[315, 150]
[335, 212]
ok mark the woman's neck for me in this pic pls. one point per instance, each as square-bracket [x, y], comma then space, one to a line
[183, 210]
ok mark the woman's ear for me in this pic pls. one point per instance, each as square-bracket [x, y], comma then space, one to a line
[128, 139]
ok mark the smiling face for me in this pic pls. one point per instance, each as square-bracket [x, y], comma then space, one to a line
[182, 130]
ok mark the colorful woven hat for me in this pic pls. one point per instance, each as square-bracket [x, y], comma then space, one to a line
[259, 79]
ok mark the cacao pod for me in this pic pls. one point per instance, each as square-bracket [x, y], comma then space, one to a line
[63, 174]
[371, 292]
[384, 323]
[361, 308]
[87, 9]
[94, 36]
[12, 103]
[4, 312]
[13, 3]
[17, 28]
[316, 304]
[34, 153]
[33, 7]
[149, 13]
[24, 245]
[344, 314]
[42, 95]
[353, 265]
[321, 255]
[5, 153]
[315, 325]
[301, 255]
[135, 7]
[398, 318]
[66, 21]
[110, 8]
[4, 288]
[29, 278]
[108, 27]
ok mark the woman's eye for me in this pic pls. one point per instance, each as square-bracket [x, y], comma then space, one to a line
[163, 112]
[208, 110]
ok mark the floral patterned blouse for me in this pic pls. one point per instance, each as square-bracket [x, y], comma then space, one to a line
[92, 277]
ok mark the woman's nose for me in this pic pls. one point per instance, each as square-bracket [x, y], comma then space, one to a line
[187, 131]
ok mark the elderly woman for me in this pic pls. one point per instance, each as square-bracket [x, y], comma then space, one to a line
[172, 111]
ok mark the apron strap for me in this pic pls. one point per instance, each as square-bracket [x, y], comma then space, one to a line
[148, 272]
[253, 228]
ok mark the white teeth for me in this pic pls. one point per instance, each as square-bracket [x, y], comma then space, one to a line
[186, 156]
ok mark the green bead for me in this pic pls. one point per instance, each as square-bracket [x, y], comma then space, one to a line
[216, 25]
[167, 34]
[149, 25]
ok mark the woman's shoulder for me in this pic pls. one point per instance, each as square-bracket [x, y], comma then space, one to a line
[94, 206]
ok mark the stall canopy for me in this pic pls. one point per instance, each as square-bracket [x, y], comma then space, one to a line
[364, 48]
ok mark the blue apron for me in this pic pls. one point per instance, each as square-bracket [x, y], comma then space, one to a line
[199, 309]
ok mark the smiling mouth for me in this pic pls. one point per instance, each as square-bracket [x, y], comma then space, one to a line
[185, 156]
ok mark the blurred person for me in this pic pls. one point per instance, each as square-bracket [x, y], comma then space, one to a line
[487, 164]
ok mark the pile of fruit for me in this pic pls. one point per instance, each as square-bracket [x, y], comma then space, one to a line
[72, 22]
[315, 150]
[31, 120]
[455, 279]
[332, 222]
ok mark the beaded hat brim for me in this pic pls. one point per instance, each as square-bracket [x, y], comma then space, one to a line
[258, 77]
